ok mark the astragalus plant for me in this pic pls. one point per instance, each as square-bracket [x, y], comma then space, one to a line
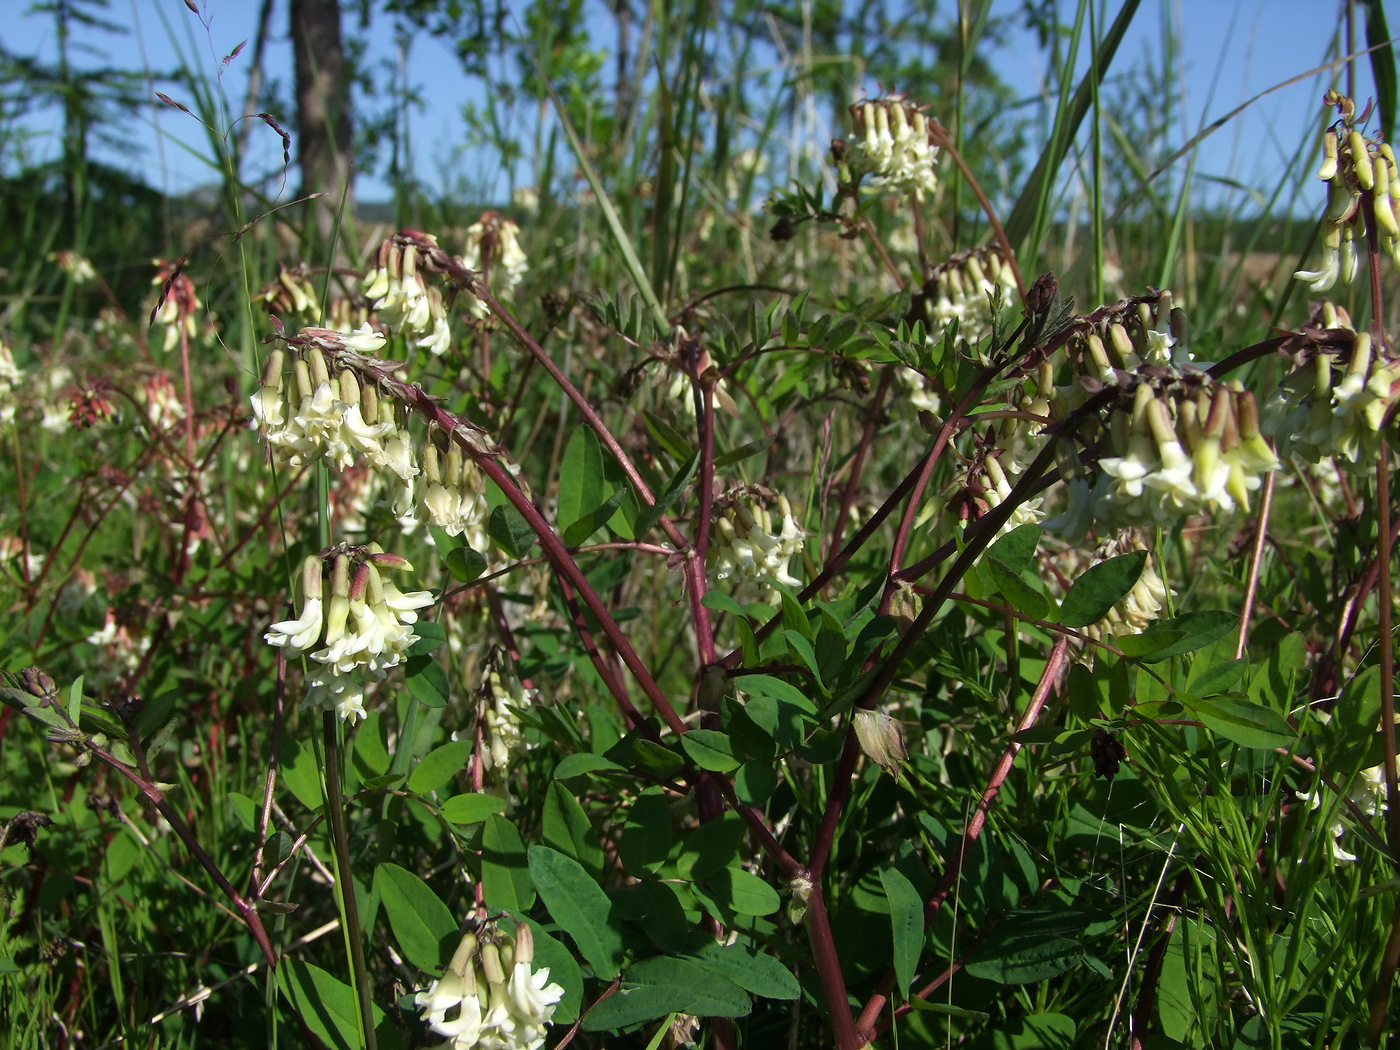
[932, 662]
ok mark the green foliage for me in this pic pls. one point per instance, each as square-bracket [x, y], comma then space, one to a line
[754, 679]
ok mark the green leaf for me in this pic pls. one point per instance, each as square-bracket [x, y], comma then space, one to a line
[578, 905]
[1022, 597]
[762, 975]
[742, 892]
[505, 874]
[744, 451]
[906, 925]
[767, 685]
[654, 907]
[718, 601]
[1016, 550]
[591, 522]
[711, 847]
[244, 810]
[465, 564]
[426, 681]
[512, 533]
[754, 783]
[422, 924]
[659, 986]
[584, 763]
[300, 774]
[673, 491]
[1032, 944]
[1243, 723]
[668, 437]
[1101, 588]
[431, 637]
[646, 837]
[710, 749]
[471, 808]
[439, 766]
[1215, 678]
[327, 1006]
[369, 758]
[581, 481]
[568, 830]
[1189, 632]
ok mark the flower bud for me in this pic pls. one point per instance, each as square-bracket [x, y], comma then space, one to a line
[1361, 160]
[882, 740]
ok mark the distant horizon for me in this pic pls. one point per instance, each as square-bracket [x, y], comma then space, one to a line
[1249, 48]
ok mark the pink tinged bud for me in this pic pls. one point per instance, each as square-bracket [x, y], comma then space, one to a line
[360, 585]
[383, 560]
[524, 944]
[311, 572]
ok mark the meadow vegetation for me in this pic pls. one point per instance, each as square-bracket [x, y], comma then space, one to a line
[931, 587]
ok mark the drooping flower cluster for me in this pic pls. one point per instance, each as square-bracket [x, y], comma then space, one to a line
[10, 378]
[1136, 610]
[1353, 167]
[338, 419]
[454, 494]
[892, 144]
[403, 301]
[743, 545]
[177, 305]
[1187, 447]
[291, 293]
[78, 267]
[502, 697]
[357, 634]
[1367, 793]
[963, 290]
[491, 997]
[1173, 442]
[1334, 404]
[985, 486]
[493, 249]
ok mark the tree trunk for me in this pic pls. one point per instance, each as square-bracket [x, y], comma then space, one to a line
[324, 127]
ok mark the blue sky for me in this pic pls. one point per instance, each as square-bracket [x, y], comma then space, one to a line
[1230, 52]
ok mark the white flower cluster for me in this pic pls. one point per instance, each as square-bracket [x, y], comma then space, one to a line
[77, 267]
[1112, 354]
[177, 307]
[1137, 609]
[962, 290]
[743, 545]
[501, 699]
[1179, 454]
[10, 377]
[403, 301]
[493, 248]
[290, 293]
[1320, 411]
[454, 495]
[339, 419]
[996, 491]
[1367, 793]
[490, 997]
[892, 144]
[1353, 166]
[336, 419]
[362, 631]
